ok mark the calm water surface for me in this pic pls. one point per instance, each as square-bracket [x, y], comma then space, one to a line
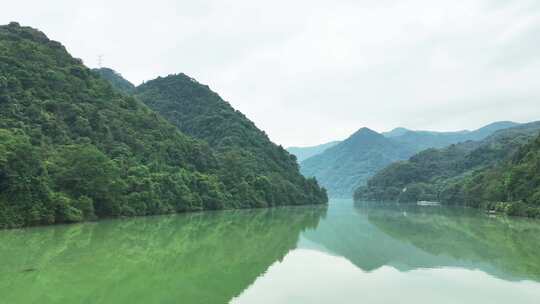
[343, 253]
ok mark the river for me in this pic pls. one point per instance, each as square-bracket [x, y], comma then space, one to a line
[343, 253]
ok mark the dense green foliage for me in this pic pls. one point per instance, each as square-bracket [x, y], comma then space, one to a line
[499, 172]
[254, 169]
[512, 187]
[73, 148]
[303, 153]
[116, 80]
[343, 168]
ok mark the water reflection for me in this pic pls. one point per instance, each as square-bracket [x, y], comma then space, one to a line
[192, 258]
[406, 254]
[409, 237]
[346, 253]
[505, 247]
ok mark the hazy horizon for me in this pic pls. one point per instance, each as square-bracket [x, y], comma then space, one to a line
[310, 72]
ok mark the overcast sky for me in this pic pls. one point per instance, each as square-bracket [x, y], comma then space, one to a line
[311, 71]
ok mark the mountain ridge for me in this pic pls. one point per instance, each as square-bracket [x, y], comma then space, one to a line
[347, 165]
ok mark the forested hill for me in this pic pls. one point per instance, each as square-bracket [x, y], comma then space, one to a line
[246, 152]
[502, 168]
[349, 164]
[74, 148]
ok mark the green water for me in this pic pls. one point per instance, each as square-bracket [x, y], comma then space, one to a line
[344, 253]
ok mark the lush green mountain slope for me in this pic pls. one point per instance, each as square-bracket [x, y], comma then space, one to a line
[74, 148]
[501, 168]
[115, 79]
[303, 153]
[512, 187]
[348, 165]
[256, 170]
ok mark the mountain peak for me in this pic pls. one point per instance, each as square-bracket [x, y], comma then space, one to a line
[365, 132]
[362, 137]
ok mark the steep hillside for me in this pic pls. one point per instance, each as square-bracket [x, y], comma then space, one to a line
[303, 153]
[498, 168]
[348, 165]
[345, 166]
[269, 175]
[73, 148]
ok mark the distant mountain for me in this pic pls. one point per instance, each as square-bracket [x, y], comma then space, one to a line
[345, 166]
[303, 153]
[490, 129]
[115, 79]
[500, 168]
[349, 164]
[421, 140]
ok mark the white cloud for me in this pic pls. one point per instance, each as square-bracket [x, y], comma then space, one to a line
[313, 71]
